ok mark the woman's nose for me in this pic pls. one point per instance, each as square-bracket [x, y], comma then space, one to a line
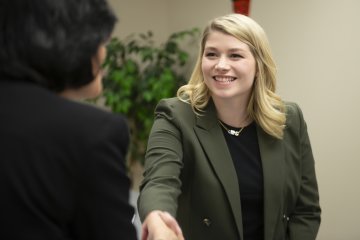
[222, 64]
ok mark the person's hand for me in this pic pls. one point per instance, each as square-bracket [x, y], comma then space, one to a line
[160, 225]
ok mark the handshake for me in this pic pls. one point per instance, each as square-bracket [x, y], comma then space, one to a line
[160, 225]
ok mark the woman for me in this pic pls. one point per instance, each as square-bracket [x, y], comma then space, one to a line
[228, 158]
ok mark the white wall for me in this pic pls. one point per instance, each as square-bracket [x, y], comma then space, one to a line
[316, 44]
[165, 16]
[140, 16]
[197, 13]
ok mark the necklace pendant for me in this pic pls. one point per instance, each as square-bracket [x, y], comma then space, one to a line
[233, 132]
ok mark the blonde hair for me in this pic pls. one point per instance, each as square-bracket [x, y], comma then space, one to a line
[265, 106]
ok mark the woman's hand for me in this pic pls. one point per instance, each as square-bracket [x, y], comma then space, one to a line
[160, 225]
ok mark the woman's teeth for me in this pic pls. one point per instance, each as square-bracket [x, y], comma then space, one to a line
[224, 79]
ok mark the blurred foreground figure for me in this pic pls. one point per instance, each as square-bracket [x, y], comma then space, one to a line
[62, 163]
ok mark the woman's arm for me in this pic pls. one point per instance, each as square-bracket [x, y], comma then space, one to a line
[163, 163]
[305, 219]
[161, 185]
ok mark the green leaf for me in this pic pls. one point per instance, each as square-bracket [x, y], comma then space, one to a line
[148, 96]
[130, 66]
[183, 57]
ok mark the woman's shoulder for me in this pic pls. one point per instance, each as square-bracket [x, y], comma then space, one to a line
[294, 115]
[174, 102]
[291, 106]
[174, 109]
[293, 110]
[174, 105]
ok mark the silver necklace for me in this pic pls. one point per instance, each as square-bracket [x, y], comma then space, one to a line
[231, 131]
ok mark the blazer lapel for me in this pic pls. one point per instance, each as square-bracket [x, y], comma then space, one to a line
[211, 138]
[272, 157]
[214, 144]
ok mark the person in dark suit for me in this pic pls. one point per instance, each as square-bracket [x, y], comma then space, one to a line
[62, 162]
[228, 158]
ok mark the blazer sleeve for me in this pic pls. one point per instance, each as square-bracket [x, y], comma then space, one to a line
[103, 206]
[161, 185]
[304, 220]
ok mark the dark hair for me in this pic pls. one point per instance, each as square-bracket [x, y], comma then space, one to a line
[51, 42]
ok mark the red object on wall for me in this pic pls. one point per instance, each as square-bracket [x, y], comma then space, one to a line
[241, 6]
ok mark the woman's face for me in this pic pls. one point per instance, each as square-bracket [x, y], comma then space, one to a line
[228, 67]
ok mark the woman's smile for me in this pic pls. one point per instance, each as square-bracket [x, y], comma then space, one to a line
[224, 79]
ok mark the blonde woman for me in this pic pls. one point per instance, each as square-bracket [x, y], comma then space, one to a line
[228, 158]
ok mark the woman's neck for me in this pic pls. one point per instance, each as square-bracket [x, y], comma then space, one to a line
[233, 113]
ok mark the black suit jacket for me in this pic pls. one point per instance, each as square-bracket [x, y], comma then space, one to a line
[62, 168]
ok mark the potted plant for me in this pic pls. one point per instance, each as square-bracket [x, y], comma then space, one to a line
[139, 75]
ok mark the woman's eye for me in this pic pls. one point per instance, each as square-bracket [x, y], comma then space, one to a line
[210, 54]
[235, 55]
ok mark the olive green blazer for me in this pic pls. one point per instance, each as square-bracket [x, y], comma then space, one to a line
[189, 173]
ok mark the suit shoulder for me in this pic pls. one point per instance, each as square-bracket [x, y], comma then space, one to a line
[89, 112]
[85, 121]
[291, 107]
[174, 103]
[173, 107]
[293, 110]
[294, 116]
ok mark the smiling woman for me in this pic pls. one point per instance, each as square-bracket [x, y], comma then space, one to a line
[223, 138]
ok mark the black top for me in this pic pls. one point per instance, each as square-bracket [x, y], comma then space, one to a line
[244, 150]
